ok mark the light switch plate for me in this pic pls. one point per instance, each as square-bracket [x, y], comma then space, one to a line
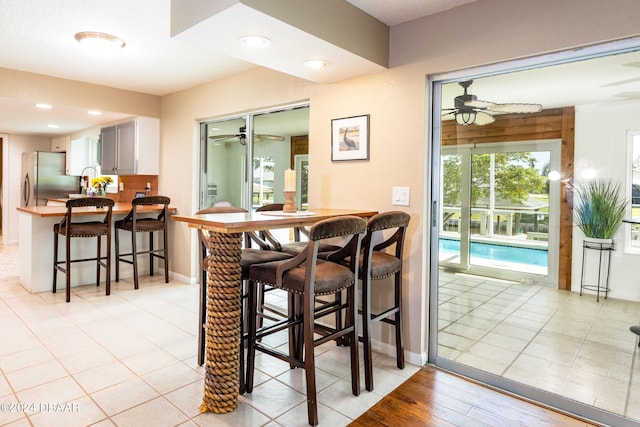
[401, 196]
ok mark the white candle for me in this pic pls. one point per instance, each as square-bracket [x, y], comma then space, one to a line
[289, 180]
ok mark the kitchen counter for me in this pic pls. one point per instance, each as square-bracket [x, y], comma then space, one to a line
[35, 245]
[58, 211]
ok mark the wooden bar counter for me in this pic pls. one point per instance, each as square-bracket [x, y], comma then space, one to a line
[35, 245]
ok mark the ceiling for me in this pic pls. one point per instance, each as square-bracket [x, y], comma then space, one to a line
[38, 38]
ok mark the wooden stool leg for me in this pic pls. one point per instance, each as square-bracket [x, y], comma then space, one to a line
[117, 256]
[398, 321]
[134, 255]
[202, 317]
[366, 333]
[165, 252]
[309, 358]
[68, 266]
[108, 266]
[151, 253]
[55, 261]
[98, 253]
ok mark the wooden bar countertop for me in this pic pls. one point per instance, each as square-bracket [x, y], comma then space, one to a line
[118, 208]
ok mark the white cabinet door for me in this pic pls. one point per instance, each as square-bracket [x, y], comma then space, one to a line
[60, 143]
[131, 148]
[82, 153]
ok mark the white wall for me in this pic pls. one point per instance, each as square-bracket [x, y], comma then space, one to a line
[14, 146]
[601, 145]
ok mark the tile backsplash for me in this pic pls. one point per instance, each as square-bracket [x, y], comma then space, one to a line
[133, 184]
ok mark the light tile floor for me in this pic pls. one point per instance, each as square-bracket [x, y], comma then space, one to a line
[554, 340]
[129, 359]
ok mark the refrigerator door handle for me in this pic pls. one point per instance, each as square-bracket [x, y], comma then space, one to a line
[26, 192]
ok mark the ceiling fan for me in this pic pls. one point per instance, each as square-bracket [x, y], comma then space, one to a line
[242, 136]
[468, 109]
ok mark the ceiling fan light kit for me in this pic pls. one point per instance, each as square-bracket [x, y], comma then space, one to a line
[468, 109]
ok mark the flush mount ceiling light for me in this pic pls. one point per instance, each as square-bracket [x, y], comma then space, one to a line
[94, 112]
[316, 63]
[43, 106]
[100, 45]
[254, 41]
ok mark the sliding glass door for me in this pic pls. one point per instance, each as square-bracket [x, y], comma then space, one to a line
[505, 257]
[499, 210]
[243, 158]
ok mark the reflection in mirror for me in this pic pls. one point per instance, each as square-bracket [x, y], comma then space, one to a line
[503, 316]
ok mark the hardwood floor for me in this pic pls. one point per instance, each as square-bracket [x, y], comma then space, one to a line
[432, 397]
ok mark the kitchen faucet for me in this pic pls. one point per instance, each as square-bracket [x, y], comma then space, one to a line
[85, 184]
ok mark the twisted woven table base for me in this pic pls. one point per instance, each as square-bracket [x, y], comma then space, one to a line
[224, 280]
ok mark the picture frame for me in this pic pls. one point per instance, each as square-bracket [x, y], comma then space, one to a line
[350, 138]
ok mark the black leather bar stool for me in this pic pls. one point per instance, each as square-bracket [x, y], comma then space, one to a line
[136, 224]
[304, 277]
[70, 229]
[382, 257]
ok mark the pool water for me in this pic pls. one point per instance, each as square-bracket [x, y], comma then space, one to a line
[530, 256]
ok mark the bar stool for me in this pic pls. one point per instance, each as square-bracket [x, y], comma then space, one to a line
[376, 264]
[135, 224]
[69, 229]
[304, 277]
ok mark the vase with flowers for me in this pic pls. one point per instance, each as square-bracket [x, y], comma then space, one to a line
[100, 184]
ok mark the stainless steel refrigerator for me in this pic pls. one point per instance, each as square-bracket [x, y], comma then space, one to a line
[43, 178]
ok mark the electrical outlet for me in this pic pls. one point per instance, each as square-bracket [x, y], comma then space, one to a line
[400, 196]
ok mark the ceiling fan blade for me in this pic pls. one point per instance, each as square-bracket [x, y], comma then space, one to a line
[478, 103]
[483, 118]
[515, 108]
[227, 136]
[263, 136]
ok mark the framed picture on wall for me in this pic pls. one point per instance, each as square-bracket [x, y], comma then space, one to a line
[350, 138]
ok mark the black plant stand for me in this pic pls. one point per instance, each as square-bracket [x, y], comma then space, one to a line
[636, 330]
[604, 267]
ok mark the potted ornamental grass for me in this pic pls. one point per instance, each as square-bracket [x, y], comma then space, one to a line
[599, 209]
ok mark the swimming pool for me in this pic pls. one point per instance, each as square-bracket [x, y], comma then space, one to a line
[486, 251]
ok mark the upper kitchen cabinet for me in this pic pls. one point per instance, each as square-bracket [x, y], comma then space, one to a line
[60, 143]
[82, 154]
[131, 148]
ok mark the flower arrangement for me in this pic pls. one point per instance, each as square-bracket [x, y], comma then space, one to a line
[102, 180]
[100, 183]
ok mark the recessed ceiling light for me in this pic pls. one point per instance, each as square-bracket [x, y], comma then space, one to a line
[316, 63]
[53, 126]
[95, 112]
[254, 41]
[44, 106]
[99, 44]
